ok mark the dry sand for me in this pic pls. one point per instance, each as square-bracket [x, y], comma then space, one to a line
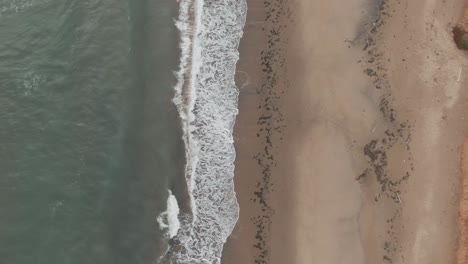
[351, 119]
[462, 252]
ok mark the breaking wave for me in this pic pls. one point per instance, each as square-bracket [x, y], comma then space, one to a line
[206, 97]
[169, 220]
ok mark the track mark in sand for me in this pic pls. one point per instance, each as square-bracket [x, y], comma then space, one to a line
[421, 236]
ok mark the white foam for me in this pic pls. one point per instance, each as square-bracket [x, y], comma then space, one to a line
[206, 97]
[170, 218]
[17, 6]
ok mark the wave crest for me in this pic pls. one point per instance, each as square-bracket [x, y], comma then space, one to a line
[206, 97]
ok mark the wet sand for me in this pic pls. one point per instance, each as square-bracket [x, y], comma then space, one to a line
[349, 132]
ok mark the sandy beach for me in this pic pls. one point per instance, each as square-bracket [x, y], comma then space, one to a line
[352, 117]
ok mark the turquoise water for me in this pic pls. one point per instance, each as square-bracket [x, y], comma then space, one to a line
[89, 138]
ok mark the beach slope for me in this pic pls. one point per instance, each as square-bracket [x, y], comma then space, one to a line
[351, 120]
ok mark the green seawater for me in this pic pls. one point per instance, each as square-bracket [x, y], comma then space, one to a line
[89, 138]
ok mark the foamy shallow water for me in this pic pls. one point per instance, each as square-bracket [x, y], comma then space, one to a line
[206, 97]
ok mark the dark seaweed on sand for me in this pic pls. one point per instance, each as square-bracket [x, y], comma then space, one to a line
[270, 123]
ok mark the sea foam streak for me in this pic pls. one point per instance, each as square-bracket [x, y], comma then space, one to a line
[206, 97]
[169, 219]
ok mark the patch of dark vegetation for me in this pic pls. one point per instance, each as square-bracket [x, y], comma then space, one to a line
[460, 37]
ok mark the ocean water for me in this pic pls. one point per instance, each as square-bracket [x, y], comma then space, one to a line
[90, 141]
[116, 122]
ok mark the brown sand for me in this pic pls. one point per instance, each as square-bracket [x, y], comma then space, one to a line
[462, 250]
[351, 117]
[462, 253]
[464, 21]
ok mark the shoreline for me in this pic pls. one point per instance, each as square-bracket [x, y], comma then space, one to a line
[258, 131]
[206, 98]
[367, 123]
